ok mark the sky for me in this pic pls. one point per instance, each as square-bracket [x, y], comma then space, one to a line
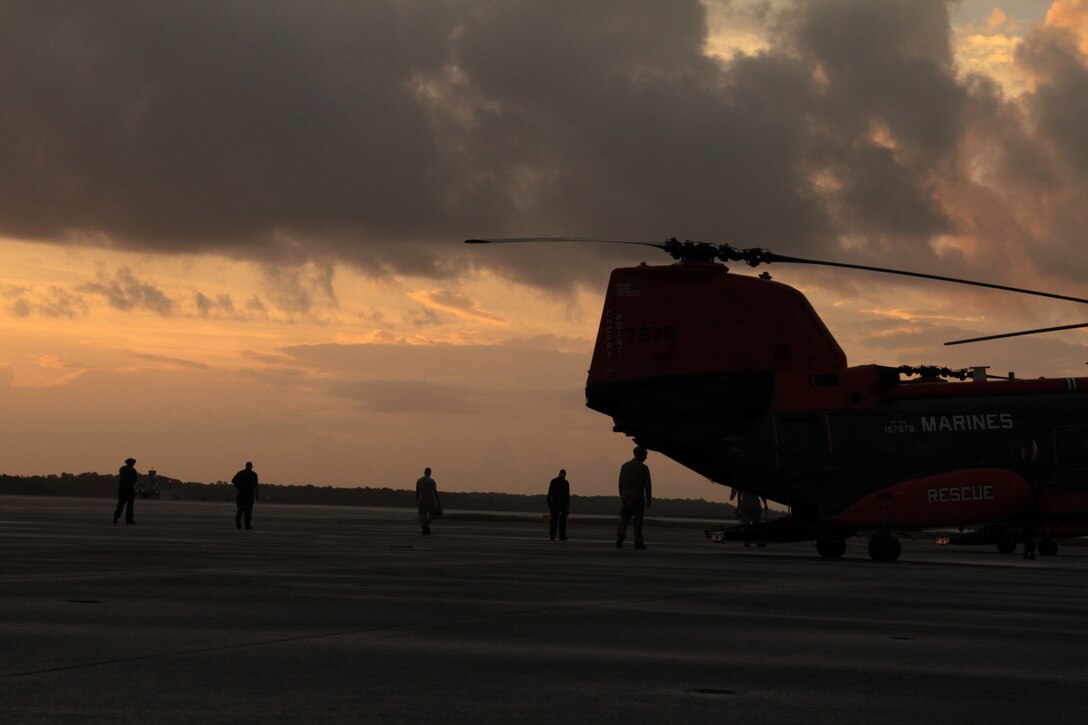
[233, 231]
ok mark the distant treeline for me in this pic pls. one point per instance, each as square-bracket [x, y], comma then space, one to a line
[99, 485]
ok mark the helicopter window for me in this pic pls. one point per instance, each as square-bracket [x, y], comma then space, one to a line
[1071, 447]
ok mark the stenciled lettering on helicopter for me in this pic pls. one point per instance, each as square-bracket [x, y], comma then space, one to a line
[651, 333]
[899, 426]
[971, 421]
[954, 494]
[619, 333]
[608, 332]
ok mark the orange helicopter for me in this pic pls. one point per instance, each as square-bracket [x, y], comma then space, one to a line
[737, 378]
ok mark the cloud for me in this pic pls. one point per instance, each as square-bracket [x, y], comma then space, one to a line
[413, 396]
[547, 341]
[380, 134]
[425, 317]
[301, 288]
[272, 359]
[1071, 16]
[456, 303]
[123, 291]
[207, 307]
[497, 380]
[54, 302]
[167, 360]
[51, 371]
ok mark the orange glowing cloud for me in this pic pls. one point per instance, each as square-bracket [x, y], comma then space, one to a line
[1071, 15]
[456, 303]
[989, 49]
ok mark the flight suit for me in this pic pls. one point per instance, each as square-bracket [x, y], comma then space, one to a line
[126, 493]
[426, 501]
[635, 492]
[246, 482]
[558, 507]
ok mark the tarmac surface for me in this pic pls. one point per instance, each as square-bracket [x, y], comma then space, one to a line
[348, 614]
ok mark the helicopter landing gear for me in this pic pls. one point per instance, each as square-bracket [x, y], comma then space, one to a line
[1006, 544]
[884, 547]
[830, 548]
[1048, 547]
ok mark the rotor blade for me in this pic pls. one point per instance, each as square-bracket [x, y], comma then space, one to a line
[772, 257]
[546, 240]
[1017, 334]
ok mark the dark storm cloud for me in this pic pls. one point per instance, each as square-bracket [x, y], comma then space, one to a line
[382, 133]
[1061, 99]
[205, 124]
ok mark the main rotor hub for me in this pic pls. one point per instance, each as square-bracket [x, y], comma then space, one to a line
[689, 251]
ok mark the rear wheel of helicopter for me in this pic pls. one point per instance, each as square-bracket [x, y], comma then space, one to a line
[884, 547]
[830, 548]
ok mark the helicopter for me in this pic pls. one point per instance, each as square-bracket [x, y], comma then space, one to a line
[737, 378]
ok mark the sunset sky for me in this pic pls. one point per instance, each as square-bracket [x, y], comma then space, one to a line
[232, 231]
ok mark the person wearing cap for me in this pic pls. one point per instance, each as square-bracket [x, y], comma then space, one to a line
[126, 491]
[635, 496]
[246, 483]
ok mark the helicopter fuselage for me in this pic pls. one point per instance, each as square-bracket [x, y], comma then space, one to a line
[737, 378]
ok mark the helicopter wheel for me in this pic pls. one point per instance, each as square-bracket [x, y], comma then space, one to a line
[830, 548]
[1006, 544]
[1048, 547]
[884, 547]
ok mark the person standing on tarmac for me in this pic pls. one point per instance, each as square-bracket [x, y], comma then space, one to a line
[558, 505]
[246, 483]
[126, 491]
[635, 496]
[427, 500]
[750, 510]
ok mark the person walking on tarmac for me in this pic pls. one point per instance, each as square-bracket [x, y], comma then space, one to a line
[558, 505]
[750, 510]
[427, 501]
[635, 496]
[246, 483]
[126, 491]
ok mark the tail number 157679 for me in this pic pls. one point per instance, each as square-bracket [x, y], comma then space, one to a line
[649, 333]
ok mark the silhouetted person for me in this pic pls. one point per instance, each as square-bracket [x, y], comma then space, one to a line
[635, 496]
[750, 508]
[246, 483]
[427, 500]
[126, 491]
[558, 505]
